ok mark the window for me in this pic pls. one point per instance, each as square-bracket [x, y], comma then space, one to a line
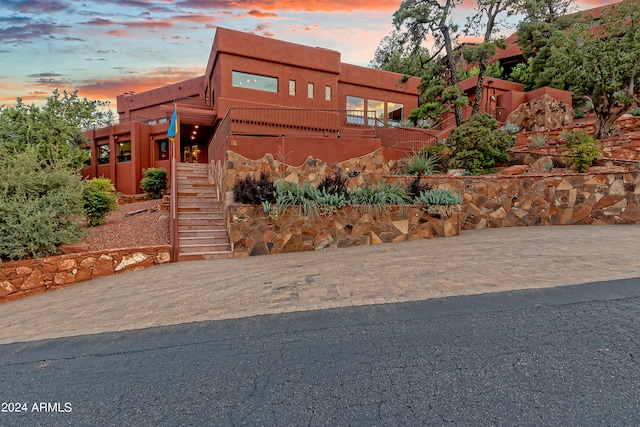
[327, 93]
[310, 90]
[163, 149]
[355, 110]
[254, 81]
[292, 87]
[395, 113]
[104, 153]
[123, 151]
[375, 112]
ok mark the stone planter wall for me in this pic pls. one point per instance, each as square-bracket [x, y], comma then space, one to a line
[365, 170]
[500, 201]
[34, 276]
[252, 233]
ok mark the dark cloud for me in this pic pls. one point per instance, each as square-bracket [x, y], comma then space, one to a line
[26, 33]
[99, 22]
[37, 6]
[263, 30]
[45, 75]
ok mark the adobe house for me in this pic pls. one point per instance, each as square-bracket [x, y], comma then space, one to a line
[267, 89]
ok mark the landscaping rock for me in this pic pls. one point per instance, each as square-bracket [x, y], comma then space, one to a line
[540, 114]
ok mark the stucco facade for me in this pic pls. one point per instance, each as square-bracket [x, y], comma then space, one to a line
[243, 71]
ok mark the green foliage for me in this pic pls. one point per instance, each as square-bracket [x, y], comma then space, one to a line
[56, 128]
[377, 198]
[602, 65]
[635, 111]
[421, 162]
[521, 73]
[253, 191]
[99, 198]
[440, 196]
[477, 145]
[437, 99]
[40, 203]
[154, 182]
[510, 128]
[395, 53]
[538, 140]
[584, 150]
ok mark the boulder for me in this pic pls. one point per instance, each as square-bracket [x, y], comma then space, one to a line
[540, 114]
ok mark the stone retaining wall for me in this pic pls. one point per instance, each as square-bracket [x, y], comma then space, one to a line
[500, 201]
[34, 276]
[365, 170]
[253, 233]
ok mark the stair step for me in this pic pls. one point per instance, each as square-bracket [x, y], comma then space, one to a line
[203, 240]
[216, 247]
[198, 227]
[202, 209]
[200, 215]
[205, 256]
[194, 224]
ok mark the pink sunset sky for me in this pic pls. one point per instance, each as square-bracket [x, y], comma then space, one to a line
[104, 48]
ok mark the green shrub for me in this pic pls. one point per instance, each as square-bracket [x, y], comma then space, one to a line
[583, 151]
[253, 191]
[154, 182]
[420, 162]
[40, 203]
[440, 196]
[99, 198]
[578, 113]
[477, 145]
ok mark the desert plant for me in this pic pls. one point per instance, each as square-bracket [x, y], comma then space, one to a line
[154, 182]
[635, 111]
[583, 151]
[510, 127]
[578, 113]
[440, 201]
[477, 144]
[440, 196]
[421, 162]
[253, 191]
[376, 199]
[334, 184]
[99, 197]
[538, 140]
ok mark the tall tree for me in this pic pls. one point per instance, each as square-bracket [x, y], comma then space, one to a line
[600, 63]
[485, 21]
[422, 18]
[395, 53]
[544, 27]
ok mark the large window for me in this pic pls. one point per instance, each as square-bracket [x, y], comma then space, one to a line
[104, 153]
[355, 110]
[395, 113]
[124, 151]
[254, 81]
[375, 109]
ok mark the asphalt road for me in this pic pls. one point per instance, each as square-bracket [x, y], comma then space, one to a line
[559, 356]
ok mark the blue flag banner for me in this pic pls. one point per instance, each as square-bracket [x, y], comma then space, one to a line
[173, 125]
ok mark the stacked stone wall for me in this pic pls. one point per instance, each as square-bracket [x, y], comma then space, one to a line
[34, 276]
[253, 233]
[499, 201]
[365, 170]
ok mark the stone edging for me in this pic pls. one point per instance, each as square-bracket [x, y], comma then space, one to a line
[34, 276]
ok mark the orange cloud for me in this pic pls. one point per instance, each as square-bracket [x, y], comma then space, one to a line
[294, 5]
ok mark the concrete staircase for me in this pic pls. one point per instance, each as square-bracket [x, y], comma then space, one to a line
[202, 233]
